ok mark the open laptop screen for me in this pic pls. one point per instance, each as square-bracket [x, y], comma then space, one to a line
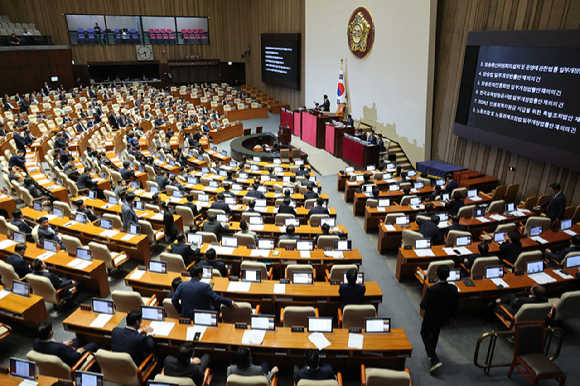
[83, 378]
[302, 278]
[152, 313]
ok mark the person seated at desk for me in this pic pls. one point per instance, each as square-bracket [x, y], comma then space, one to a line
[175, 183]
[39, 268]
[159, 121]
[18, 221]
[211, 260]
[360, 134]
[211, 225]
[436, 193]
[511, 247]
[245, 367]
[45, 231]
[404, 177]
[28, 137]
[301, 171]
[174, 284]
[451, 183]
[82, 208]
[244, 227]
[366, 181]
[290, 234]
[455, 225]
[556, 204]
[513, 303]
[372, 139]
[286, 208]
[189, 204]
[351, 292]
[186, 251]
[483, 249]
[131, 340]
[195, 295]
[15, 176]
[313, 370]
[255, 192]
[250, 207]
[319, 208]
[430, 230]
[349, 122]
[16, 260]
[227, 191]
[310, 193]
[559, 256]
[455, 205]
[428, 212]
[126, 172]
[121, 187]
[18, 160]
[86, 182]
[171, 229]
[306, 181]
[65, 156]
[221, 205]
[186, 365]
[162, 180]
[69, 351]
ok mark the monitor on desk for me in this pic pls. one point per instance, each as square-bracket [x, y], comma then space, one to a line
[22, 369]
[440, 182]
[106, 224]
[423, 244]
[222, 217]
[331, 221]
[229, 241]
[368, 189]
[285, 179]
[266, 244]
[157, 266]
[195, 239]
[84, 254]
[237, 187]
[349, 169]
[573, 261]
[478, 212]
[499, 237]
[84, 378]
[536, 231]
[207, 273]
[402, 220]
[223, 173]
[50, 245]
[360, 178]
[342, 245]
[230, 200]
[565, 224]
[534, 267]
[265, 178]
[415, 201]
[205, 170]
[292, 221]
[192, 180]
[103, 306]
[112, 200]
[262, 189]
[21, 288]
[454, 274]
[134, 230]
[263, 322]
[322, 324]
[177, 194]
[371, 168]
[304, 245]
[384, 202]
[463, 241]
[203, 197]
[154, 189]
[254, 168]
[214, 148]
[419, 185]
[242, 176]
[257, 159]
[152, 313]
[256, 220]
[278, 169]
[261, 202]
[393, 187]
[59, 181]
[494, 272]
[134, 184]
[472, 193]
[58, 212]
[510, 207]
[443, 216]
[360, 278]
[377, 325]
[81, 218]
[411, 173]
[19, 237]
[302, 278]
[92, 195]
[298, 162]
[205, 318]
[277, 161]
[251, 276]
[213, 184]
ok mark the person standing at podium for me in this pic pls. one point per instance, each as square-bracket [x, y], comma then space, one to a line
[326, 103]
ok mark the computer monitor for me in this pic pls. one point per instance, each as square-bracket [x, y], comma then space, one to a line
[222, 218]
[478, 212]
[106, 224]
[154, 189]
[205, 170]
[264, 190]
[223, 173]
[157, 266]
[360, 178]
[205, 318]
[192, 180]
[292, 221]
[103, 306]
[22, 369]
[377, 325]
[390, 165]
[323, 324]
[371, 168]
[454, 274]
[263, 322]
[58, 212]
[285, 179]
[213, 184]
[230, 242]
[83, 378]
[152, 313]
[236, 187]
[256, 220]
[177, 194]
[224, 153]
[534, 267]
[443, 216]
[134, 184]
[19, 237]
[402, 220]
[419, 185]
[267, 244]
[260, 202]
[304, 245]
[510, 207]
[50, 246]
[139, 205]
[368, 189]
[422, 243]
[349, 169]
[243, 176]
[331, 221]
[494, 272]
[92, 194]
[81, 218]
[277, 161]
[302, 278]
[415, 201]
[214, 148]
[573, 261]
[251, 276]
[207, 273]
[112, 200]
[499, 237]
[342, 245]
[257, 159]
[278, 169]
[445, 197]
[411, 173]
[194, 239]
[471, 193]
[298, 162]
[84, 254]
[565, 224]
[536, 231]
[384, 202]
[360, 278]
[463, 241]
[265, 178]
[134, 230]
[203, 197]
[230, 200]
[440, 182]
[20, 288]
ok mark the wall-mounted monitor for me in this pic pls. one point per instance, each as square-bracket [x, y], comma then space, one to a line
[281, 58]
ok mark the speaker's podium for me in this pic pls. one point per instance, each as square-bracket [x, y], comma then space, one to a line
[284, 135]
[334, 137]
[314, 127]
[358, 153]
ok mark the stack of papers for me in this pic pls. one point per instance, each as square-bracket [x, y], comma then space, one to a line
[261, 209]
[238, 286]
[542, 278]
[424, 252]
[224, 250]
[148, 195]
[443, 224]
[7, 244]
[157, 217]
[45, 255]
[256, 227]
[260, 253]
[101, 321]
[563, 274]
[476, 198]
[539, 239]
[319, 340]
[483, 219]
[570, 232]
[191, 331]
[28, 382]
[50, 216]
[109, 233]
[381, 208]
[305, 254]
[138, 274]
[390, 228]
[279, 288]
[500, 281]
[334, 254]
[253, 336]
[283, 229]
[162, 328]
[70, 223]
[356, 341]
[498, 217]
[461, 250]
[79, 264]
[127, 237]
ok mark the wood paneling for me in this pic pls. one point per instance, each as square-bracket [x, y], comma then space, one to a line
[454, 20]
[233, 27]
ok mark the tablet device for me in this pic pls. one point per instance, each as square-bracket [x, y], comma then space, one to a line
[534, 267]
[222, 218]
[463, 241]
[384, 202]
[322, 325]
[157, 266]
[103, 306]
[203, 197]
[302, 278]
[402, 220]
[84, 254]
[454, 274]
[494, 272]
[50, 246]
[377, 325]
[422, 243]
[81, 218]
[21, 288]
[134, 230]
[499, 237]
[230, 242]
[304, 245]
[22, 369]
[536, 231]
[478, 212]
[19, 237]
[152, 313]
[573, 261]
[106, 224]
[84, 378]
[112, 200]
[360, 278]
[371, 168]
[251, 276]
[207, 273]
[194, 239]
[565, 224]
[263, 322]
[342, 245]
[472, 193]
[292, 221]
[415, 201]
[266, 244]
[205, 318]
[256, 220]
[331, 221]
[58, 212]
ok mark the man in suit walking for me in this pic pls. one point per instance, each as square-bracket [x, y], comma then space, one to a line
[128, 213]
[131, 340]
[556, 204]
[186, 365]
[440, 305]
[19, 140]
[195, 295]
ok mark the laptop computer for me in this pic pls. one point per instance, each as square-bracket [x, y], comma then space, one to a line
[22, 369]
[152, 313]
[85, 378]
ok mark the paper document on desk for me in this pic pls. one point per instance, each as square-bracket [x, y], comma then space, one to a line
[206, 281]
[539, 240]
[127, 237]
[414, 191]
[391, 181]
[162, 328]
[305, 254]
[334, 254]
[476, 198]
[139, 191]
[50, 216]
[28, 382]
[45, 181]
[147, 195]
[483, 219]
[70, 223]
[45, 255]
[424, 252]
[138, 274]
[223, 250]
[500, 281]
[390, 228]
[158, 217]
[381, 208]
[463, 251]
[76, 262]
[3, 293]
[109, 233]
[101, 321]
[282, 229]
[356, 341]
[253, 336]
[260, 253]
[191, 331]
[279, 288]
[7, 244]
[563, 274]
[256, 227]
[319, 340]
[261, 209]
[174, 199]
[542, 278]
[238, 286]
[38, 177]
[498, 217]
[443, 224]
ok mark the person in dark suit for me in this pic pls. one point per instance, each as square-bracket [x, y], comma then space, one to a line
[32, 189]
[381, 144]
[113, 121]
[86, 182]
[428, 212]
[186, 251]
[255, 192]
[131, 340]
[81, 127]
[556, 204]
[483, 249]
[18, 160]
[366, 181]
[455, 205]
[191, 205]
[451, 184]
[46, 232]
[310, 194]
[245, 367]
[60, 142]
[211, 225]
[126, 173]
[436, 193]
[511, 247]
[128, 213]
[430, 230]
[319, 208]
[186, 365]
[211, 256]
[19, 140]
[349, 121]
[440, 305]
[301, 171]
[39, 268]
[351, 292]
[286, 208]
[290, 234]
[175, 183]
[455, 225]
[221, 205]
[65, 155]
[28, 137]
[326, 104]
[16, 260]
[171, 229]
[372, 139]
[69, 351]
[313, 370]
[18, 221]
[195, 295]
[162, 180]
[513, 303]
[82, 208]
[250, 207]
[306, 181]
[559, 256]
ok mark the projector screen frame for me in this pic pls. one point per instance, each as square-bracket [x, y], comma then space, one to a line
[283, 36]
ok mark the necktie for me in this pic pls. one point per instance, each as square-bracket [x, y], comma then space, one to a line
[550, 203]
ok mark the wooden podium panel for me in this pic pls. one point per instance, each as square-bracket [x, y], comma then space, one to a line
[334, 138]
[314, 128]
[297, 130]
[358, 154]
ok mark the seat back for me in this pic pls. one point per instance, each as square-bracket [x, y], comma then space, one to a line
[499, 193]
[409, 238]
[521, 262]
[298, 315]
[431, 272]
[479, 265]
[42, 286]
[281, 217]
[338, 270]
[35, 234]
[532, 313]
[147, 229]
[496, 207]
[186, 214]
[315, 219]
[453, 235]
[181, 381]
[255, 266]
[170, 310]
[117, 367]
[382, 377]
[242, 314]
[392, 217]
[71, 244]
[174, 262]
[208, 237]
[407, 199]
[287, 243]
[463, 192]
[291, 268]
[535, 221]
[511, 193]
[245, 239]
[326, 241]
[466, 211]
[126, 301]
[353, 315]
[8, 274]
[563, 262]
[101, 252]
[115, 218]
[240, 380]
[567, 306]
[50, 365]
[509, 228]
[246, 215]
[317, 382]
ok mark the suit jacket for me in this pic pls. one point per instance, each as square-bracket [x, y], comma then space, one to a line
[372, 140]
[193, 207]
[318, 210]
[187, 252]
[310, 195]
[511, 250]
[195, 295]
[129, 216]
[451, 186]
[19, 264]
[255, 194]
[286, 209]
[127, 174]
[129, 341]
[113, 121]
[162, 182]
[16, 160]
[56, 282]
[34, 192]
[321, 373]
[214, 227]
[431, 231]
[177, 185]
[85, 182]
[248, 371]
[80, 127]
[173, 368]
[326, 105]
[67, 354]
[352, 293]
[28, 139]
[219, 265]
[459, 227]
[48, 234]
[90, 215]
[220, 205]
[555, 206]
[440, 304]
[559, 256]
[60, 143]
[454, 206]
[19, 140]
[22, 226]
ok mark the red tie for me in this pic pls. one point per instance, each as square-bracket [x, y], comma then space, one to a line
[550, 203]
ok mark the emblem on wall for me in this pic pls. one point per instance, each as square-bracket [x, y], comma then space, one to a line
[361, 33]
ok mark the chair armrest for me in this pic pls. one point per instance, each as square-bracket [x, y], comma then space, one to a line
[146, 368]
[420, 270]
[510, 265]
[257, 310]
[327, 275]
[274, 381]
[152, 301]
[363, 375]
[316, 312]
[487, 195]
[67, 288]
[339, 378]
[408, 372]
[556, 261]
[270, 273]
[314, 273]
[282, 317]
[465, 268]
[507, 323]
[80, 362]
[339, 317]
[207, 377]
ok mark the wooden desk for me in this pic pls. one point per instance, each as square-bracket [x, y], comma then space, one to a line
[79, 323]
[28, 311]
[251, 113]
[136, 248]
[43, 380]
[484, 184]
[358, 154]
[8, 204]
[227, 133]
[272, 231]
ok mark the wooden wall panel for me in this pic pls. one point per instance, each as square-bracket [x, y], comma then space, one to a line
[455, 19]
[233, 27]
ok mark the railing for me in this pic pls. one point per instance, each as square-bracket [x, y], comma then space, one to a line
[551, 333]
